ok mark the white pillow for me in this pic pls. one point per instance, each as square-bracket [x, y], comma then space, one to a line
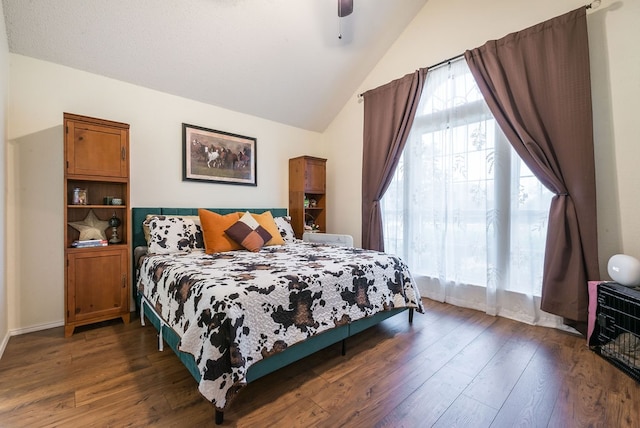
[285, 229]
[171, 235]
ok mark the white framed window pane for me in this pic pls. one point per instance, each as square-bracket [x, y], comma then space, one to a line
[462, 207]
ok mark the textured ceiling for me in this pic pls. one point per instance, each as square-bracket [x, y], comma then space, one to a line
[280, 60]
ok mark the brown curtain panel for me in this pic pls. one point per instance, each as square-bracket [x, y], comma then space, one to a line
[537, 85]
[388, 115]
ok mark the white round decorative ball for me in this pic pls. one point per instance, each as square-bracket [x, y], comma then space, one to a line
[624, 270]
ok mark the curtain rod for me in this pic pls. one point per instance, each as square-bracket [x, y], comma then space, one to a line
[593, 5]
[441, 63]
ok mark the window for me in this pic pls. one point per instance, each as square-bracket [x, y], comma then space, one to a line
[462, 208]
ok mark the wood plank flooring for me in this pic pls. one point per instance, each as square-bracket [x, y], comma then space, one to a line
[452, 367]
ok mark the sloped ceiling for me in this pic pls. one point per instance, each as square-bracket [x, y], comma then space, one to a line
[281, 60]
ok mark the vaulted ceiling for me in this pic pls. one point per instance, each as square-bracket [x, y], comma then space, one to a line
[281, 60]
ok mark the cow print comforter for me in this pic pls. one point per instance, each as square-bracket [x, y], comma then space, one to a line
[233, 309]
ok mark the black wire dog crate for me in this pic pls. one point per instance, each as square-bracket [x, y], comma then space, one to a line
[617, 332]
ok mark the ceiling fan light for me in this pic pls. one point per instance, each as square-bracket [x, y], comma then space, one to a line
[345, 7]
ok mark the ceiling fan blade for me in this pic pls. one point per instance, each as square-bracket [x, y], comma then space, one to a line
[345, 7]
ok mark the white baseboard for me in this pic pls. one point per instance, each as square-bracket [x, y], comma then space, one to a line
[39, 327]
[3, 344]
[24, 330]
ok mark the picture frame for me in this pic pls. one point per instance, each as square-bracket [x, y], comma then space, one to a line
[218, 156]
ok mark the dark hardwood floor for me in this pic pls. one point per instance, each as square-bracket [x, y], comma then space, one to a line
[452, 367]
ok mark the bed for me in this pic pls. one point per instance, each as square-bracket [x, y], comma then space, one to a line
[235, 316]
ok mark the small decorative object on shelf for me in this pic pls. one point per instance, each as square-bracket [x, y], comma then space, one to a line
[312, 228]
[90, 228]
[79, 196]
[114, 222]
[90, 243]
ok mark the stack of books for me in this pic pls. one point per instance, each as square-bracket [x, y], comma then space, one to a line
[90, 243]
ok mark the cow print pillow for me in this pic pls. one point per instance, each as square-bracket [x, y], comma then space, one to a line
[285, 229]
[197, 243]
[171, 235]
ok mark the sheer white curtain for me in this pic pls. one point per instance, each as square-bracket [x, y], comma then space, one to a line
[463, 211]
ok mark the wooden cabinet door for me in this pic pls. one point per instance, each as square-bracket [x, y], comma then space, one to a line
[97, 284]
[315, 176]
[96, 150]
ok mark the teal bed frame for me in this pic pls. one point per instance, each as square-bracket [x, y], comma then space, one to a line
[267, 365]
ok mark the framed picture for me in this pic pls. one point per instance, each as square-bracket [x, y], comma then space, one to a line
[219, 157]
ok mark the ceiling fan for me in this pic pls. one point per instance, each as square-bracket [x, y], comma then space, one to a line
[345, 7]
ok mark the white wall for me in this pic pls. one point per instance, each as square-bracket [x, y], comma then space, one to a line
[39, 94]
[446, 28]
[4, 88]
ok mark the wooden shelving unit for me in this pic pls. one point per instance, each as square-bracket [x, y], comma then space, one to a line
[307, 182]
[96, 160]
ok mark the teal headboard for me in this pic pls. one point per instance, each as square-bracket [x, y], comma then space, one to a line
[139, 214]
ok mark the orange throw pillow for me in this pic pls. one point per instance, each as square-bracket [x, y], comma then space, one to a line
[213, 227]
[266, 220]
